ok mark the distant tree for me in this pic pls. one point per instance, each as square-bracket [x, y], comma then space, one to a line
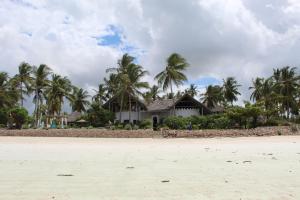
[230, 90]
[18, 116]
[101, 95]
[58, 89]
[40, 84]
[79, 100]
[213, 96]
[192, 90]
[23, 80]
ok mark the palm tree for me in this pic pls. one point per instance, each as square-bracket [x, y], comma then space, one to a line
[173, 73]
[40, 83]
[111, 85]
[213, 96]
[80, 100]
[101, 95]
[23, 80]
[230, 89]
[128, 81]
[133, 84]
[257, 88]
[59, 88]
[192, 90]
[8, 95]
[152, 94]
[120, 77]
[287, 84]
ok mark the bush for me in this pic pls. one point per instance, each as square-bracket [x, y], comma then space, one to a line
[271, 122]
[3, 117]
[222, 123]
[135, 127]
[128, 127]
[18, 116]
[146, 124]
[174, 122]
[99, 117]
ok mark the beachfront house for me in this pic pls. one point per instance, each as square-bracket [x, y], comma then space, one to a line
[157, 110]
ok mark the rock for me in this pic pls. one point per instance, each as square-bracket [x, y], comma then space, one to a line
[247, 161]
[130, 167]
[65, 175]
[165, 181]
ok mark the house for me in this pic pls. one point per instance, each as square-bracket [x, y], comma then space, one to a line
[157, 110]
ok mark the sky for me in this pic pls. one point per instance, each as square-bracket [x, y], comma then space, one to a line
[219, 38]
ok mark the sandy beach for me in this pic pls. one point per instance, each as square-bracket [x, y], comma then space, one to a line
[98, 168]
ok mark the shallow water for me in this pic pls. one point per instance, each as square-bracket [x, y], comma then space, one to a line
[90, 168]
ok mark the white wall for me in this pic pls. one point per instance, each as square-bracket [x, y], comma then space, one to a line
[186, 112]
[125, 116]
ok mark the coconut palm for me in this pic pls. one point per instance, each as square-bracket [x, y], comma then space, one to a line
[192, 90]
[230, 90]
[152, 94]
[39, 85]
[257, 88]
[8, 94]
[101, 94]
[23, 80]
[173, 73]
[287, 84]
[58, 89]
[133, 85]
[213, 96]
[127, 81]
[79, 100]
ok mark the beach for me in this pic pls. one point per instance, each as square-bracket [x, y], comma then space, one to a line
[41, 168]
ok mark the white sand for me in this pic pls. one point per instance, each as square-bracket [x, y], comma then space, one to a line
[196, 168]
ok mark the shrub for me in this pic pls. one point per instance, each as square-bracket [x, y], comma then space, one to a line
[174, 122]
[222, 123]
[3, 117]
[18, 116]
[271, 122]
[99, 117]
[128, 127]
[135, 127]
[200, 121]
[146, 124]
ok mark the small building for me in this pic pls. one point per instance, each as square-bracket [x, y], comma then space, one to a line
[157, 110]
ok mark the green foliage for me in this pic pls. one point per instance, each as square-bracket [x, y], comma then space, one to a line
[146, 124]
[128, 127]
[18, 116]
[3, 117]
[174, 122]
[99, 117]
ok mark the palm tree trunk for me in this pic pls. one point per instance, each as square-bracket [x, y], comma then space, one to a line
[121, 108]
[21, 94]
[129, 99]
[36, 108]
[173, 99]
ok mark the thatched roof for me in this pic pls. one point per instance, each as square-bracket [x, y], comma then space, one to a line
[160, 104]
[166, 104]
[74, 116]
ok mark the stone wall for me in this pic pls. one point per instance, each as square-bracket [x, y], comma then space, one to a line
[102, 133]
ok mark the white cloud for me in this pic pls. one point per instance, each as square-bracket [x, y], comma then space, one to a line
[241, 38]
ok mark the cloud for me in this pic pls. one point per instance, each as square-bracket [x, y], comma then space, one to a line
[80, 39]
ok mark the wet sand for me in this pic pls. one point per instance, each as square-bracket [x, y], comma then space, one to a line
[98, 168]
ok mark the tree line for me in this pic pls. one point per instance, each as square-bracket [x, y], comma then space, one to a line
[278, 93]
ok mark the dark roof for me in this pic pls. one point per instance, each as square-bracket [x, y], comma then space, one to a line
[215, 108]
[74, 116]
[166, 104]
[160, 104]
